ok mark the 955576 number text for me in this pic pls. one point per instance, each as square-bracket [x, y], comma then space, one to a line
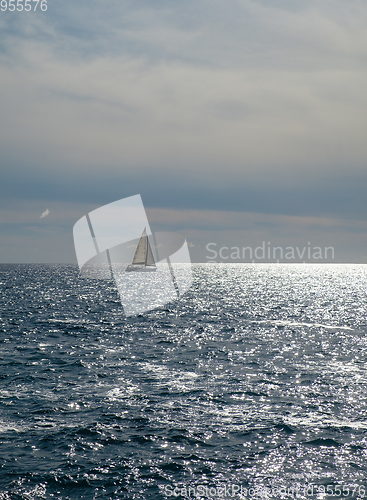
[20, 5]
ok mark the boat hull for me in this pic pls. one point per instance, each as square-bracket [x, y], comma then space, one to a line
[141, 269]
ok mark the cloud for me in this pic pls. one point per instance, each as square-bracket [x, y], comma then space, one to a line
[122, 113]
[45, 213]
[245, 85]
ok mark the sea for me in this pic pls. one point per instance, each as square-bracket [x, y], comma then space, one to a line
[251, 385]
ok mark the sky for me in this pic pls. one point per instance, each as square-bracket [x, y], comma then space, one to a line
[238, 122]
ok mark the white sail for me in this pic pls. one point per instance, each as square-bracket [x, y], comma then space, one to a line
[149, 259]
[141, 250]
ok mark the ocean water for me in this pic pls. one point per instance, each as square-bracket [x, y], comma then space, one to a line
[252, 384]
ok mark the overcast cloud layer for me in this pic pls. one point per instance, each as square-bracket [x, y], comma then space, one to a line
[232, 107]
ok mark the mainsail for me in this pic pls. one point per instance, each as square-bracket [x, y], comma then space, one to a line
[141, 250]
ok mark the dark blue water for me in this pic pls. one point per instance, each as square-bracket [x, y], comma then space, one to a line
[255, 378]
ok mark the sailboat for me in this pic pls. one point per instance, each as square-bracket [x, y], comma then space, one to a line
[143, 259]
